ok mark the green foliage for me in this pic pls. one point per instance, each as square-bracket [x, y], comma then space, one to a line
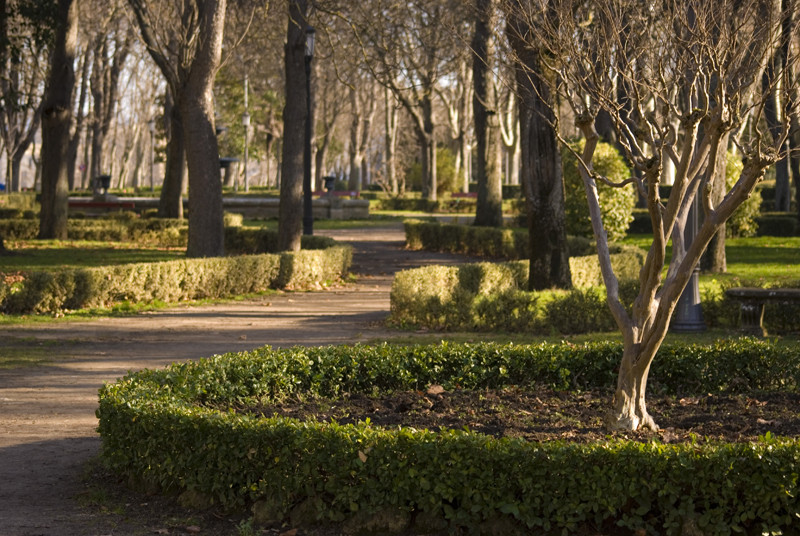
[616, 204]
[744, 221]
[172, 281]
[173, 429]
[491, 242]
[445, 172]
[492, 297]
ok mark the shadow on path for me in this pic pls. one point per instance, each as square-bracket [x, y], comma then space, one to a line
[47, 422]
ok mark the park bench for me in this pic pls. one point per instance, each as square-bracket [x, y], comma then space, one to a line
[752, 301]
[465, 195]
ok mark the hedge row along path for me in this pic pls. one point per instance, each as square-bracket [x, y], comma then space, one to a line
[47, 421]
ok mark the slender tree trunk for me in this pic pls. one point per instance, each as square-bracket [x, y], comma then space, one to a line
[75, 140]
[489, 210]
[14, 164]
[390, 141]
[56, 115]
[290, 212]
[170, 204]
[714, 259]
[794, 161]
[427, 142]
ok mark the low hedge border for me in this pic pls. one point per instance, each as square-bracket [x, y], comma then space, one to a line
[161, 428]
[172, 281]
[512, 244]
[492, 297]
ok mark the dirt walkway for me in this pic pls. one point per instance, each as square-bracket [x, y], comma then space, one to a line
[47, 422]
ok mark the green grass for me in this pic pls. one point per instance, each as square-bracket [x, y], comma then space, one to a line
[768, 259]
[25, 352]
[31, 255]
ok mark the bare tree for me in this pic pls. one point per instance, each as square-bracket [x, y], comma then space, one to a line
[185, 41]
[485, 104]
[363, 105]
[693, 71]
[24, 70]
[408, 49]
[110, 46]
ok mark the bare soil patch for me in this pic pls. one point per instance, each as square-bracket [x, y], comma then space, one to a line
[545, 415]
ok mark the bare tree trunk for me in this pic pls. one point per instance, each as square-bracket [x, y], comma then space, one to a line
[354, 178]
[75, 140]
[390, 141]
[489, 210]
[427, 141]
[56, 115]
[290, 212]
[714, 260]
[170, 204]
[541, 173]
[206, 230]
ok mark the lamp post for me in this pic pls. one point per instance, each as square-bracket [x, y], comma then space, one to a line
[308, 216]
[151, 126]
[246, 125]
[688, 316]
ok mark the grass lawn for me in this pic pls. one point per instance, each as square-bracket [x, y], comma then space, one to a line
[771, 259]
[31, 255]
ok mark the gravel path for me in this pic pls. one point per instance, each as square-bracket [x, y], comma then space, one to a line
[47, 421]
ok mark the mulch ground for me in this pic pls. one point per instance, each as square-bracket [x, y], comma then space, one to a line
[544, 415]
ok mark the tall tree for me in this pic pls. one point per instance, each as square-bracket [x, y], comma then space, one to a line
[409, 49]
[693, 79]
[541, 175]
[56, 116]
[23, 59]
[186, 44]
[489, 210]
[290, 211]
[110, 49]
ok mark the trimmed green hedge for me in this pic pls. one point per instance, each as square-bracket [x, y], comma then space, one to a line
[512, 244]
[172, 429]
[492, 297]
[172, 281]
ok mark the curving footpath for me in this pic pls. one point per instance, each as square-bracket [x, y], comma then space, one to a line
[47, 422]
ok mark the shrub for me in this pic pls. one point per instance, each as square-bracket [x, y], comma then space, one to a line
[744, 221]
[492, 297]
[171, 281]
[445, 172]
[172, 428]
[616, 204]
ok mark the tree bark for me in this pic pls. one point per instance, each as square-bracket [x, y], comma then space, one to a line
[540, 175]
[206, 228]
[170, 204]
[489, 210]
[714, 260]
[390, 141]
[56, 115]
[290, 211]
[75, 140]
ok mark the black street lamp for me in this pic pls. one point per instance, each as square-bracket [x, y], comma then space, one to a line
[308, 216]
